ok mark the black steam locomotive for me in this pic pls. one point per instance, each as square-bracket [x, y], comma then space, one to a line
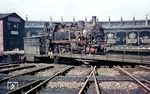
[59, 38]
[89, 39]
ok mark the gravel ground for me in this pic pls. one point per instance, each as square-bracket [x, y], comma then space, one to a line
[37, 64]
[125, 87]
[29, 69]
[107, 72]
[107, 87]
[118, 85]
[58, 91]
[21, 71]
[21, 65]
[138, 72]
[62, 84]
[91, 89]
[141, 73]
[69, 78]
[79, 71]
[51, 71]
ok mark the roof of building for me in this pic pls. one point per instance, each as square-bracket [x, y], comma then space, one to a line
[3, 15]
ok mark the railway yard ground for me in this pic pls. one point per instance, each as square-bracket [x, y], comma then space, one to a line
[44, 78]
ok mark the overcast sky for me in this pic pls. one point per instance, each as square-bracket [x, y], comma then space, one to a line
[43, 9]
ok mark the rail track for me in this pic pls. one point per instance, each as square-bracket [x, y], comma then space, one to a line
[17, 62]
[135, 78]
[9, 66]
[37, 85]
[57, 78]
[32, 72]
[16, 68]
[84, 88]
[144, 67]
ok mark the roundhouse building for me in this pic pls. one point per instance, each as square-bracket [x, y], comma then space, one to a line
[132, 32]
[123, 32]
[11, 32]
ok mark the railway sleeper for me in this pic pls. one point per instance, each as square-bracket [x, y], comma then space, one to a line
[26, 73]
[16, 62]
[14, 69]
[134, 77]
[44, 83]
[8, 66]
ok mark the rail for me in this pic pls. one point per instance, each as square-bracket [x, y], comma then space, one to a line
[147, 68]
[42, 84]
[8, 66]
[96, 83]
[17, 68]
[84, 87]
[25, 73]
[133, 77]
[86, 84]
[1, 64]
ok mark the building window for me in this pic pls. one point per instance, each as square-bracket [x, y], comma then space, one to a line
[14, 32]
[9, 25]
[15, 26]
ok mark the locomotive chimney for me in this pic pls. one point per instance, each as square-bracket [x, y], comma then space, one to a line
[97, 20]
[94, 20]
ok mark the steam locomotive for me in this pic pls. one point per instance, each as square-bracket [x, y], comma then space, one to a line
[73, 38]
[90, 39]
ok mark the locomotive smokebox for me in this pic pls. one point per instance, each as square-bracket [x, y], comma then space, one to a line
[94, 20]
[81, 23]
